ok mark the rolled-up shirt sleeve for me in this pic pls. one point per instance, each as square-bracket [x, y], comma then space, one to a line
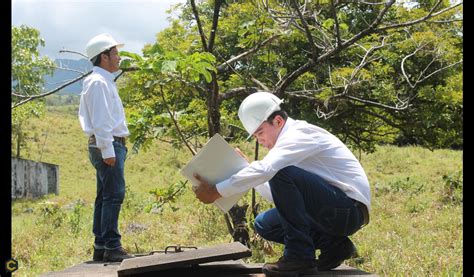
[99, 108]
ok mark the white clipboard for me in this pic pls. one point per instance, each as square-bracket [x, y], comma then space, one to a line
[215, 162]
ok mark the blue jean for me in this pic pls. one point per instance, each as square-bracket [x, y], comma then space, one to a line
[109, 198]
[309, 214]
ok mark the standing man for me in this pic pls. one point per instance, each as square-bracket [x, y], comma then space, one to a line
[102, 118]
[320, 190]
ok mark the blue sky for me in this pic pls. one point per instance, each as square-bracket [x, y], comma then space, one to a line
[69, 24]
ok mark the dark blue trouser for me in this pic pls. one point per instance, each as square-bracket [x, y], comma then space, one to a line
[109, 198]
[310, 214]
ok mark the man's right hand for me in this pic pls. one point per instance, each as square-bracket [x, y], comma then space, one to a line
[110, 161]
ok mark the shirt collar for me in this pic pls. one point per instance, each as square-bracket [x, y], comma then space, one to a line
[109, 76]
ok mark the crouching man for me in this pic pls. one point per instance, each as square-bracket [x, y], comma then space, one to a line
[320, 190]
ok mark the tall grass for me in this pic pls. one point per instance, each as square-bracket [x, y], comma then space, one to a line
[416, 217]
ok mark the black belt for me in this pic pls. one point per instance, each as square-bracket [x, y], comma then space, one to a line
[364, 211]
[118, 139]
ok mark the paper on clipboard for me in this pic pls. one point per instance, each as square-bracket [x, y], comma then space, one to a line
[215, 162]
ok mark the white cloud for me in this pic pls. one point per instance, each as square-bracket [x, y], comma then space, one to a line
[70, 24]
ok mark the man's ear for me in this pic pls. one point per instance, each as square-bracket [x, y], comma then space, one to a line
[280, 120]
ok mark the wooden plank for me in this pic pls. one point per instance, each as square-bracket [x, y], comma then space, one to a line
[222, 252]
[222, 268]
[216, 269]
[93, 269]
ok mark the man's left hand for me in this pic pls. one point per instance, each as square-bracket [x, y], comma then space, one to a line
[204, 191]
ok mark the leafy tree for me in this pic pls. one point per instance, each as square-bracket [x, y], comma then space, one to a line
[28, 69]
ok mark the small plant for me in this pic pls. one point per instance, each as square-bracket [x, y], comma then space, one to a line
[51, 214]
[405, 185]
[74, 218]
[452, 189]
[167, 195]
[132, 202]
[211, 222]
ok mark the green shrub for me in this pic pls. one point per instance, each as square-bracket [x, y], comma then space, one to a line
[74, 218]
[452, 189]
[50, 214]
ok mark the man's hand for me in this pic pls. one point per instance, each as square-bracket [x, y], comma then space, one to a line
[110, 161]
[205, 192]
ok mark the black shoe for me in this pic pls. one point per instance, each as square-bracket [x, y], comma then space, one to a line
[289, 267]
[98, 255]
[334, 257]
[116, 255]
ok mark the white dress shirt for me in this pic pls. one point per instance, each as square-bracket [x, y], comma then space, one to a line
[101, 111]
[308, 147]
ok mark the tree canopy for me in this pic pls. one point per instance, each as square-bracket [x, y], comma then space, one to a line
[28, 69]
[370, 72]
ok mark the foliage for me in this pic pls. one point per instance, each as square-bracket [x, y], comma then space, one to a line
[405, 185]
[163, 196]
[74, 219]
[28, 68]
[50, 214]
[20, 132]
[27, 72]
[165, 94]
[398, 85]
[453, 188]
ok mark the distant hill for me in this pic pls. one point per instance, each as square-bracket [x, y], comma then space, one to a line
[62, 75]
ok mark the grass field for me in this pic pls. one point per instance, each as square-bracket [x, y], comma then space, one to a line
[416, 218]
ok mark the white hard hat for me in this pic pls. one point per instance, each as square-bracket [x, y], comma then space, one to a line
[256, 108]
[99, 44]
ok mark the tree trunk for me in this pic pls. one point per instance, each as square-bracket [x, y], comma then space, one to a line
[213, 113]
[18, 142]
[239, 229]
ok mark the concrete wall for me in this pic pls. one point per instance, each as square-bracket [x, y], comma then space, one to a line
[32, 179]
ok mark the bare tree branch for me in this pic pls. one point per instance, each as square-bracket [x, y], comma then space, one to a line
[336, 24]
[224, 66]
[74, 52]
[421, 75]
[306, 29]
[370, 29]
[362, 64]
[260, 84]
[32, 97]
[290, 77]
[439, 70]
[431, 14]
[172, 116]
[123, 70]
[236, 91]
[215, 21]
[198, 22]
[373, 103]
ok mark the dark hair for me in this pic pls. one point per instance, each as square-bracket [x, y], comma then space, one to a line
[281, 113]
[98, 58]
